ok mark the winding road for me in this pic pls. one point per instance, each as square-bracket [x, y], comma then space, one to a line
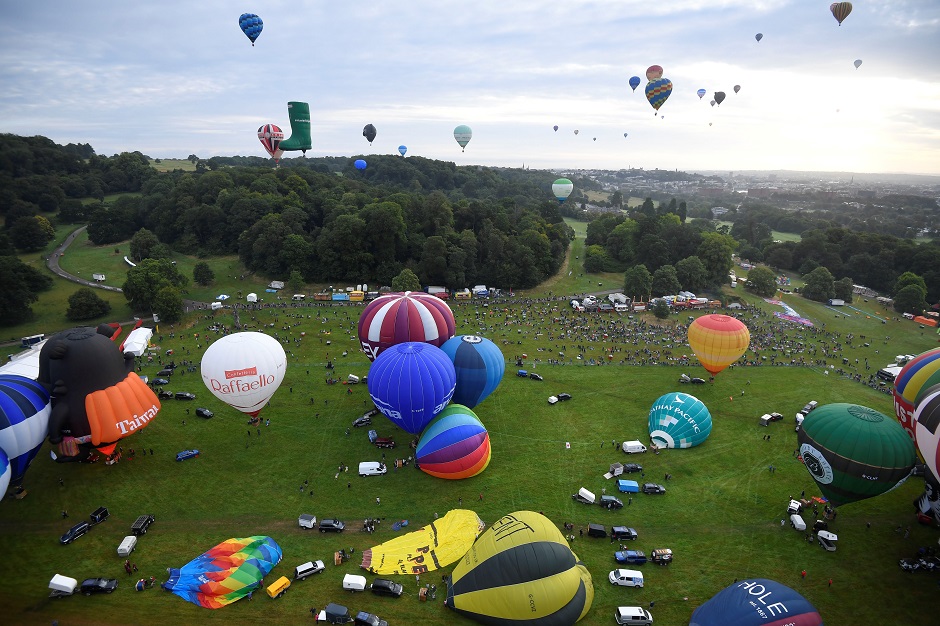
[52, 262]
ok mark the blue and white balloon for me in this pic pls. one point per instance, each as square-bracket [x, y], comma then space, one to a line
[479, 364]
[678, 420]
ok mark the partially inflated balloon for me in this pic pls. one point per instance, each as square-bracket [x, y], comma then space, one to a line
[678, 420]
[840, 10]
[24, 422]
[562, 188]
[430, 547]
[521, 571]
[654, 72]
[463, 134]
[634, 82]
[920, 373]
[251, 25]
[658, 91]
[759, 36]
[360, 164]
[368, 132]
[410, 383]
[271, 137]
[757, 602]
[454, 445]
[244, 370]
[719, 97]
[854, 452]
[718, 340]
[701, 93]
[402, 150]
[399, 317]
[927, 423]
[479, 365]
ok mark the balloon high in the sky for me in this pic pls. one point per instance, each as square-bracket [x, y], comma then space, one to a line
[402, 150]
[719, 97]
[654, 72]
[555, 127]
[737, 88]
[360, 164]
[840, 10]
[858, 62]
[299, 115]
[244, 370]
[701, 93]
[634, 82]
[399, 317]
[454, 445]
[521, 571]
[658, 91]
[562, 188]
[462, 135]
[251, 25]
[678, 420]
[854, 452]
[718, 341]
[756, 602]
[271, 137]
[919, 374]
[24, 422]
[576, 132]
[479, 364]
[759, 36]
[368, 132]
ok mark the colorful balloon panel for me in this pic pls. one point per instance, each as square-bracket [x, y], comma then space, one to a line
[840, 10]
[918, 374]
[927, 423]
[654, 72]
[521, 571]
[718, 341]
[854, 452]
[479, 364]
[244, 370]
[433, 546]
[410, 383]
[756, 602]
[398, 317]
[562, 188]
[251, 25]
[679, 420]
[658, 91]
[25, 406]
[225, 573]
[454, 445]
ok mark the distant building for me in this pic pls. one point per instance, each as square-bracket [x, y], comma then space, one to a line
[718, 210]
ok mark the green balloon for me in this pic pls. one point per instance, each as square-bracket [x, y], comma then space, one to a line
[463, 134]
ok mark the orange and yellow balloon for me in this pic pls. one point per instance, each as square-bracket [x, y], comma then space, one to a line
[718, 341]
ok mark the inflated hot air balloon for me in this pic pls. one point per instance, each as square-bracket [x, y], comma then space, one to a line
[426, 549]
[97, 397]
[927, 423]
[719, 97]
[654, 72]
[920, 373]
[857, 63]
[402, 150]
[368, 131]
[251, 25]
[360, 164]
[576, 132]
[562, 188]
[678, 420]
[712, 103]
[634, 82]
[759, 36]
[701, 93]
[840, 10]
[479, 365]
[410, 383]
[24, 422]
[718, 341]
[521, 571]
[463, 134]
[244, 370]
[737, 88]
[756, 602]
[929, 502]
[298, 114]
[6, 473]
[271, 137]
[454, 445]
[400, 317]
[555, 128]
[658, 91]
[226, 573]
[625, 134]
[854, 452]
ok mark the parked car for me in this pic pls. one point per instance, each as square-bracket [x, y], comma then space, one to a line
[636, 615]
[204, 413]
[187, 454]
[365, 419]
[159, 381]
[184, 395]
[611, 502]
[165, 394]
[775, 417]
[809, 407]
[636, 557]
[624, 532]
[553, 399]
[308, 569]
[653, 488]
[364, 618]
[661, 556]
[697, 381]
[631, 468]
[165, 372]
[386, 587]
[331, 526]
[74, 533]
[384, 442]
[626, 578]
[605, 308]
[535, 376]
[98, 585]
[141, 524]
[564, 396]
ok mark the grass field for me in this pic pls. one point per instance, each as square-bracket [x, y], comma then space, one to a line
[721, 515]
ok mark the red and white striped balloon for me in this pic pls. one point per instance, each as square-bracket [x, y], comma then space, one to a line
[398, 317]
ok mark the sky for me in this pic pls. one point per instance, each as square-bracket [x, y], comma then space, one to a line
[170, 79]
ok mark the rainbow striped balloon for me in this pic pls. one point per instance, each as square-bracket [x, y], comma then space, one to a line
[915, 377]
[454, 445]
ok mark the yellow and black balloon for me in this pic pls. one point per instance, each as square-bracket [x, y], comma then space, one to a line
[521, 571]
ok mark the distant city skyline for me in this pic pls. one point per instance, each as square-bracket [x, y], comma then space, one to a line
[174, 79]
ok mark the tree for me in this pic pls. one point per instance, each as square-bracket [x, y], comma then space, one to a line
[637, 283]
[910, 299]
[203, 274]
[665, 281]
[818, 285]
[761, 281]
[150, 276]
[595, 259]
[142, 244]
[29, 235]
[406, 281]
[660, 309]
[715, 253]
[691, 274]
[20, 285]
[906, 279]
[844, 289]
[295, 282]
[168, 304]
[85, 304]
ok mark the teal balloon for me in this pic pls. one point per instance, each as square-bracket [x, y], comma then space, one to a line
[678, 420]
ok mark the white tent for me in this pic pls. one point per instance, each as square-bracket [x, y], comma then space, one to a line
[25, 363]
[138, 340]
[252, 297]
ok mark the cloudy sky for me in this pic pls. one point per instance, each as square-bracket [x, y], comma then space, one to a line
[175, 78]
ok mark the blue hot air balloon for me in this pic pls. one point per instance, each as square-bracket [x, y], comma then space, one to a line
[251, 25]
[402, 150]
[756, 601]
[678, 420]
[412, 382]
[634, 82]
[24, 421]
[360, 164]
[479, 365]
[701, 93]
[6, 473]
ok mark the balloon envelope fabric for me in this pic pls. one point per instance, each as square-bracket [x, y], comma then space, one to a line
[454, 445]
[24, 421]
[479, 365]
[919, 373]
[678, 420]
[433, 546]
[399, 317]
[757, 602]
[718, 340]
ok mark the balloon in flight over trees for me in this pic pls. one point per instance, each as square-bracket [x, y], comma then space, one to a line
[634, 82]
[368, 132]
[658, 91]
[840, 10]
[737, 88]
[462, 135]
[402, 150]
[360, 164]
[251, 25]
[399, 317]
[244, 370]
[562, 188]
[271, 137]
[298, 114]
[719, 97]
[718, 341]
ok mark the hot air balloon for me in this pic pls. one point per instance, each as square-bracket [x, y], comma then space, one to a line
[251, 25]
[399, 317]
[430, 547]
[298, 114]
[575, 132]
[595, 139]
[678, 420]
[410, 383]
[463, 134]
[634, 82]
[759, 36]
[840, 10]
[24, 422]
[719, 97]
[402, 150]
[479, 365]
[927, 423]
[360, 164]
[368, 131]
[97, 397]
[556, 128]
[271, 137]
[654, 72]
[562, 188]
[857, 63]
[854, 452]
[658, 91]
[718, 341]
[454, 445]
[737, 88]
[244, 370]
[625, 134]
[701, 93]
[928, 504]
[712, 103]
[225, 573]
[6, 473]
[756, 602]
[521, 571]
[920, 373]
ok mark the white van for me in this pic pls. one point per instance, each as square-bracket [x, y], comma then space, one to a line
[352, 379]
[352, 582]
[127, 546]
[633, 615]
[626, 578]
[372, 468]
[298, 296]
[215, 306]
[633, 447]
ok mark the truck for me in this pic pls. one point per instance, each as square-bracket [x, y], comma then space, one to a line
[436, 290]
[836, 302]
